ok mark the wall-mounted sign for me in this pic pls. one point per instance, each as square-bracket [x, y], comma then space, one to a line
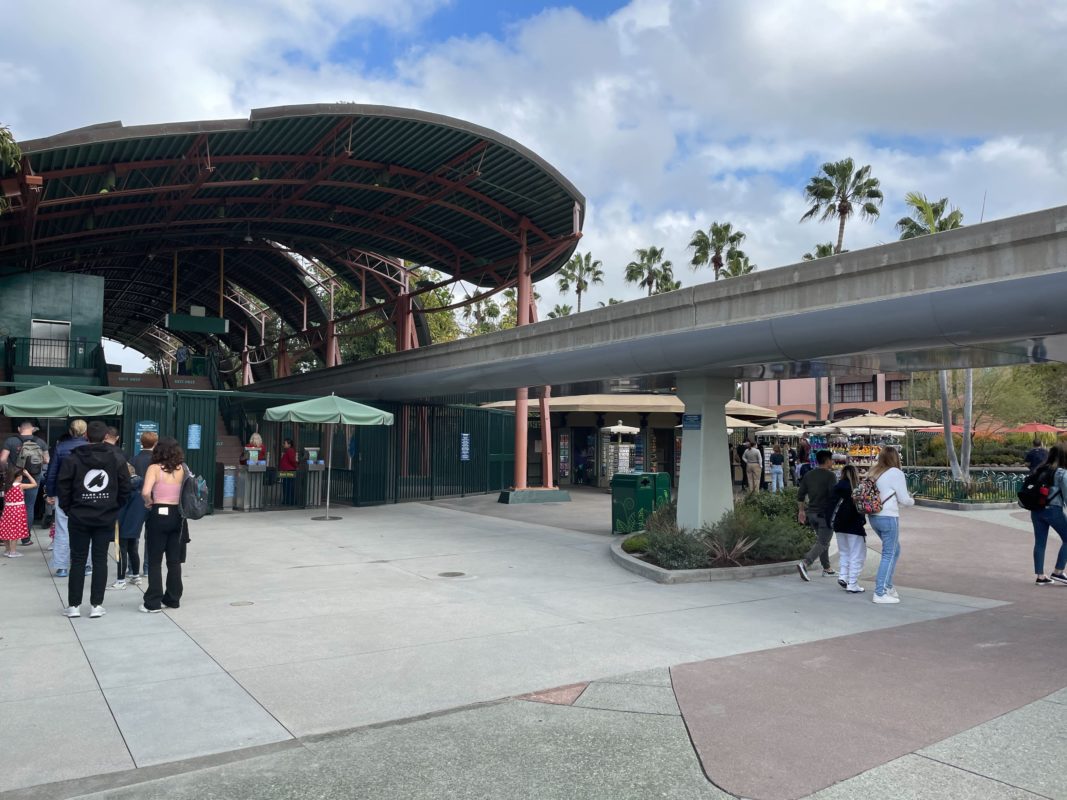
[192, 438]
[691, 422]
[143, 426]
[464, 447]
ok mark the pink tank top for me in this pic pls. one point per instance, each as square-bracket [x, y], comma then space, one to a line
[166, 494]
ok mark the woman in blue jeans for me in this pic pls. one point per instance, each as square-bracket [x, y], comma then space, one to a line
[893, 490]
[1052, 516]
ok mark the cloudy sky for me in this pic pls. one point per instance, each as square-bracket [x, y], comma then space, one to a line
[666, 114]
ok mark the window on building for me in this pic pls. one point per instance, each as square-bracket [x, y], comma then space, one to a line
[854, 392]
[896, 390]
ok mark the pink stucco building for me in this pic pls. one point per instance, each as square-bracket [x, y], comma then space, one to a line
[795, 399]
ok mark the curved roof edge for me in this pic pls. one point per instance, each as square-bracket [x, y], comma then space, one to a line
[116, 131]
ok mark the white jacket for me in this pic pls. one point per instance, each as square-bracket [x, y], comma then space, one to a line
[893, 489]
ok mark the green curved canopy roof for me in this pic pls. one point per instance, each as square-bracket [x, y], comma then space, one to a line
[363, 189]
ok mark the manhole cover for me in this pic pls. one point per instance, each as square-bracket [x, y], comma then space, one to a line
[451, 574]
[243, 603]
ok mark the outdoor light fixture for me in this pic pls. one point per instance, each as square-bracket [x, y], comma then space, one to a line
[248, 234]
[255, 172]
[109, 182]
[382, 177]
[332, 216]
[220, 211]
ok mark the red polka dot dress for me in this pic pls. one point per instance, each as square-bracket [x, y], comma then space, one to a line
[13, 521]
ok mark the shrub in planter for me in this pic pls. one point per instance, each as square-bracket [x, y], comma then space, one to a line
[676, 550]
[636, 544]
[664, 519]
[772, 504]
[782, 539]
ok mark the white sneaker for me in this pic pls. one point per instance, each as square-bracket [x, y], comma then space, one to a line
[119, 584]
[98, 611]
[144, 610]
[134, 580]
[892, 592]
[855, 589]
[885, 598]
[72, 611]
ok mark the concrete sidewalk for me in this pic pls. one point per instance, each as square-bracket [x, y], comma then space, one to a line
[293, 630]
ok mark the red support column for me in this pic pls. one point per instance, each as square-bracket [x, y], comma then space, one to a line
[522, 409]
[282, 367]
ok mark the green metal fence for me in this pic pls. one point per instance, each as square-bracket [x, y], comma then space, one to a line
[985, 486]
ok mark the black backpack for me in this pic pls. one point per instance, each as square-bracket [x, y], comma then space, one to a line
[1038, 489]
[30, 457]
[194, 502]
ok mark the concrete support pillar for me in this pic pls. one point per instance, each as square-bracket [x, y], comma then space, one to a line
[546, 438]
[705, 485]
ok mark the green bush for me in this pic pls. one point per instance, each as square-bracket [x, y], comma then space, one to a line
[664, 519]
[676, 550]
[772, 504]
[636, 544]
[775, 538]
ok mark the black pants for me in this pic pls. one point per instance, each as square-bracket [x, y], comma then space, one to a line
[163, 533]
[81, 536]
[129, 560]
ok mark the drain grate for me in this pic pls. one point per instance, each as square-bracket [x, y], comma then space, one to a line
[451, 574]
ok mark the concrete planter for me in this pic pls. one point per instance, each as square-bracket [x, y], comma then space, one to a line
[661, 575]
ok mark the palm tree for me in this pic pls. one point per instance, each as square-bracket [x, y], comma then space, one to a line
[580, 273]
[480, 316]
[665, 281]
[737, 265]
[611, 302]
[927, 217]
[838, 192]
[645, 270]
[560, 311]
[708, 247]
[821, 250]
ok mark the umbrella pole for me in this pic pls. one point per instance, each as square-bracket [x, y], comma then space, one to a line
[329, 473]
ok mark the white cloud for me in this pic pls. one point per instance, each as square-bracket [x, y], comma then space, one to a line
[667, 115]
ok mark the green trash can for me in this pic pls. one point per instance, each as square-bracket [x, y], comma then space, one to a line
[661, 482]
[633, 496]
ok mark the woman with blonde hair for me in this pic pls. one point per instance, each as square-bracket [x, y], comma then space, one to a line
[893, 491]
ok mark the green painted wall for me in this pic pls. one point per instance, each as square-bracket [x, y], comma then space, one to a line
[77, 299]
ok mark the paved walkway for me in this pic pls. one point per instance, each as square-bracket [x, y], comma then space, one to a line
[314, 659]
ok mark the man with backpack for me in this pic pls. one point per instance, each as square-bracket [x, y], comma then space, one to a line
[93, 485]
[31, 453]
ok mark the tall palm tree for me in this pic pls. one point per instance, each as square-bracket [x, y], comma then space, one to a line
[665, 281]
[708, 247]
[839, 191]
[580, 273]
[646, 267]
[821, 250]
[560, 311]
[737, 265]
[927, 217]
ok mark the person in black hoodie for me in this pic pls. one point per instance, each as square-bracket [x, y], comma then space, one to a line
[847, 522]
[93, 485]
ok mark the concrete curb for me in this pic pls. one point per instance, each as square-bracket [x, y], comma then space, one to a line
[671, 576]
[951, 506]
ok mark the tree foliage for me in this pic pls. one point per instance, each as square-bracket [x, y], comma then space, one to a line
[560, 311]
[649, 270]
[710, 246]
[840, 192]
[10, 158]
[738, 264]
[928, 217]
[821, 250]
[578, 274]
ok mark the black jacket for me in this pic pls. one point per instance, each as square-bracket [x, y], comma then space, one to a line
[841, 511]
[93, 484]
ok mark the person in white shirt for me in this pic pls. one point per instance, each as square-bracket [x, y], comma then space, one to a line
[893, 490]
[753, 460]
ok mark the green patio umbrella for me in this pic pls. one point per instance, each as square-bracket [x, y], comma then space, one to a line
[329, 411]
[55, 401]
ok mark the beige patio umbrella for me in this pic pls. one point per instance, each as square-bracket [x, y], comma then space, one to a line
[868, 421]
[735, 408]
[779, 429]
[910, 422]
[733, 422]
